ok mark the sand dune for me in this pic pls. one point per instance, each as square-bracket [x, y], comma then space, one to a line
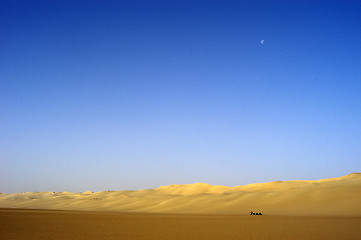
[326, 197]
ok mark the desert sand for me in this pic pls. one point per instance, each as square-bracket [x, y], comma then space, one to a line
[19, 224]
[324, 209]
[326, 197]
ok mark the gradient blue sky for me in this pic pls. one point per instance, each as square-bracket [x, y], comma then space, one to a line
[100, 95]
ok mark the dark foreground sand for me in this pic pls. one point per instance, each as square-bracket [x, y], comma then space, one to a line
[51, 224]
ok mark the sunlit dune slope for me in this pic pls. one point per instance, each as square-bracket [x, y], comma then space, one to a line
[334, 196]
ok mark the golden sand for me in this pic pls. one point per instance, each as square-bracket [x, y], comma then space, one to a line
[49, 224]
[327, 197]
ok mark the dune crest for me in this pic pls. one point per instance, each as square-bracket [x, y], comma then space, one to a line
[332, 196]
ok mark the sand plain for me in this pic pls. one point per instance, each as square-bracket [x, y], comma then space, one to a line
[28, 224]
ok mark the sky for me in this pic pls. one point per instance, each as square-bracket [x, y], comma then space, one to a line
[114, 95]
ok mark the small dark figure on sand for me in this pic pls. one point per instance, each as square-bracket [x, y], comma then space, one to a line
[254, 213]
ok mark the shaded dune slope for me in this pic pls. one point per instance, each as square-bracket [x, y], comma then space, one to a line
[333, 196]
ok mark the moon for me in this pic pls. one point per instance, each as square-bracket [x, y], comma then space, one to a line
[262, 41]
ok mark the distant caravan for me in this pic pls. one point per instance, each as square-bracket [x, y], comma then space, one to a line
[255, 213]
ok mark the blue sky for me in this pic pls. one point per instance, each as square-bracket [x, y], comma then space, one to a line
[99, 95]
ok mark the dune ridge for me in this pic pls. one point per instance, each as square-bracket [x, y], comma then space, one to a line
[326, 197]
